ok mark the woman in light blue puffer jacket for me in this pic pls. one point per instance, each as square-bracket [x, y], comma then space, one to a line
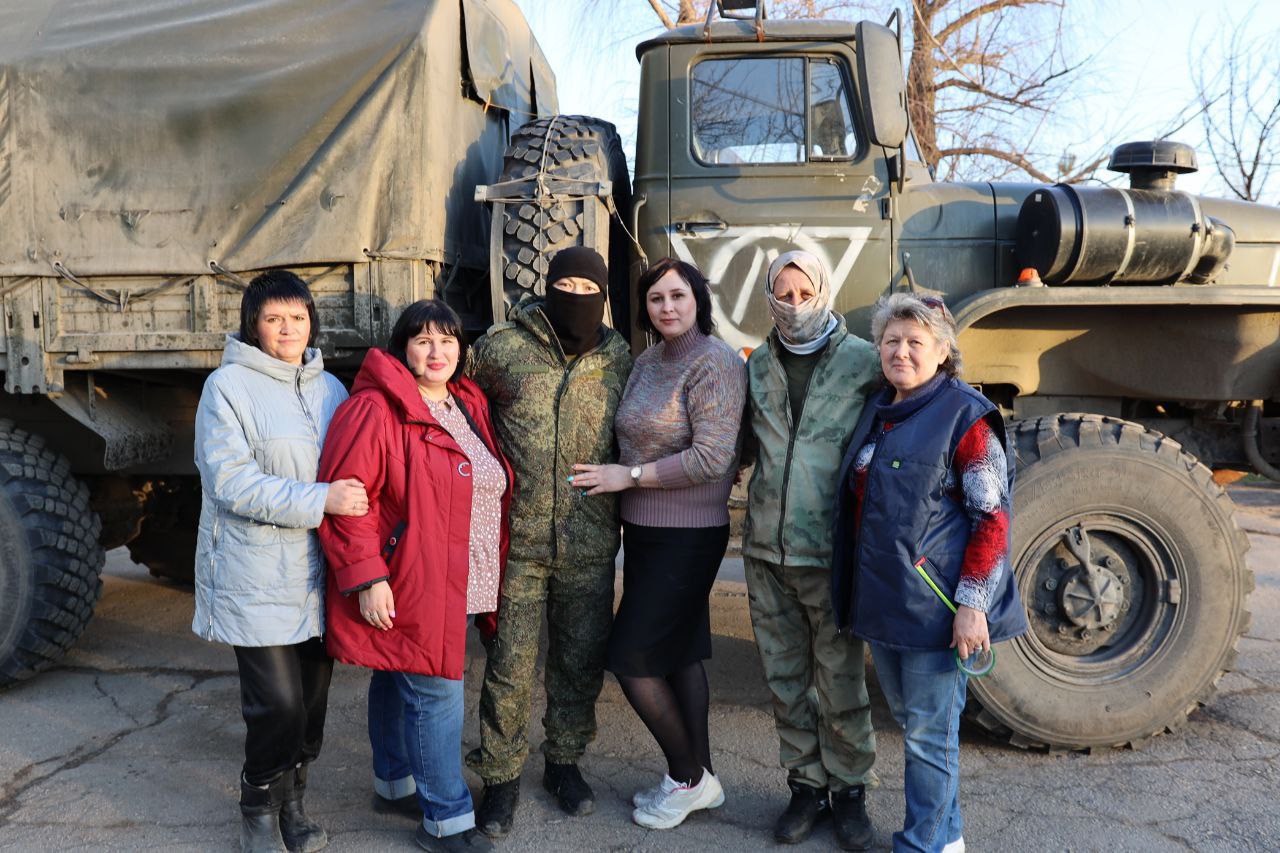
[259, 569]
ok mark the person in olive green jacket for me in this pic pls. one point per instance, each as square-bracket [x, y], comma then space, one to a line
[554, 376]
[807, 387]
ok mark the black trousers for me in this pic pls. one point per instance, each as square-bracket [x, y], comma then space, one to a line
[284, 692]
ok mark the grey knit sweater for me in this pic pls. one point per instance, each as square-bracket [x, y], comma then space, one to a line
[681, 410]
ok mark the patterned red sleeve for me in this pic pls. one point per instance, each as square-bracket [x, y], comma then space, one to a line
[984, 484]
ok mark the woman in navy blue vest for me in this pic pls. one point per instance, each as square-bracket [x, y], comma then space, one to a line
[921, 559]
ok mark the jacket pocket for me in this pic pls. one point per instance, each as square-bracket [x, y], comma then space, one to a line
[245, 532]
[928, 574]
[393, 542]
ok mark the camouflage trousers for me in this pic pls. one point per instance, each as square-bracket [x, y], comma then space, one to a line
[578, 601]
[818, 680]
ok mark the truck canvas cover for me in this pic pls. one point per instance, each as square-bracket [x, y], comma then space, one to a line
[158, 136]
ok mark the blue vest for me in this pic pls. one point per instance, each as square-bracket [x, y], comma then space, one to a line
[908, 518]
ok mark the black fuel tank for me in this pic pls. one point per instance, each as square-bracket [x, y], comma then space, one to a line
[1101, 235]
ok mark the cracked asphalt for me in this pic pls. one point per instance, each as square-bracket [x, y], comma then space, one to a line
[135, 743]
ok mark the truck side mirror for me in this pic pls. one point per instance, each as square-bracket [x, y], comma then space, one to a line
[883, 85]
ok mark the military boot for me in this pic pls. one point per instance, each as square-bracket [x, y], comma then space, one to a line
[571, 791]
[497, 810]
[260, 817]
[808, 806]
[300, 833]
[849, 810]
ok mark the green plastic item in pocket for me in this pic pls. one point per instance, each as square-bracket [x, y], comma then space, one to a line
[988, 659]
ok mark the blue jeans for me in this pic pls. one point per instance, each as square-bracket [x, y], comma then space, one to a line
[415, 728]
[925, 692]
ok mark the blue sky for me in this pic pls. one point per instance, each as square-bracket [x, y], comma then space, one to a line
[1140, 76]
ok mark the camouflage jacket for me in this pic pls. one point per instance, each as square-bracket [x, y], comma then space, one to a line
[550, 413]
[792, 492]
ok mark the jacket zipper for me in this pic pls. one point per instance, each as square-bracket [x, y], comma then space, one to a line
[555, 441]
[857, 549]
[213, 549]
[311, 422]
[794, 426]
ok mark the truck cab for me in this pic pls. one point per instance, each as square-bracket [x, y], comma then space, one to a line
[1129, 335]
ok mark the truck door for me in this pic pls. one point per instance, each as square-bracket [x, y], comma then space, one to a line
[766, 155]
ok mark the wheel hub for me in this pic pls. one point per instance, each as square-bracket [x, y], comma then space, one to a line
[1091, 602]
[1085, 591]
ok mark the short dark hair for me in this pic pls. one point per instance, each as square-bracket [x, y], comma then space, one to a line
[280, 285]
[426, 314]
[693, 277]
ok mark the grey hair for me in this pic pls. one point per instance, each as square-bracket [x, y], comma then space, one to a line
[909, 306]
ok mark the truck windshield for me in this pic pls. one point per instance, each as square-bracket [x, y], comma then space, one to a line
[753, 110]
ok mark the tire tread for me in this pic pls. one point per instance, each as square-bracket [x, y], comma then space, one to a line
[1037, 439]
[62, 534]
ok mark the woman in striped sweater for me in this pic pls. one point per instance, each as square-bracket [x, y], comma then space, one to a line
[921, 553]
[677, 429]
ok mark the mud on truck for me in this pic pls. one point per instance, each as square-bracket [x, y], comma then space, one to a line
[1128, 334]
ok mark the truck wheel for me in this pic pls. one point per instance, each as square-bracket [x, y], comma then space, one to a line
[574, 147]
[51, 562]
[166, 540]
[1128, 658]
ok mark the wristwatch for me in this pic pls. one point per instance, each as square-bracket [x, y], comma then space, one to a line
[635, 476]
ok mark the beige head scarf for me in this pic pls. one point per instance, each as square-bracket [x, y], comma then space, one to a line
[802, 328]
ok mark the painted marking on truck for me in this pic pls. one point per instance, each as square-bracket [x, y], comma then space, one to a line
[837, 247]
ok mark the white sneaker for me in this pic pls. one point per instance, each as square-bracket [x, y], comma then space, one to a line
[649, 796]
[646, 798]
[678, 801]
[956, 846]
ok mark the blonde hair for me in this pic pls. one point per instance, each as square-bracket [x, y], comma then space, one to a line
[930, 312]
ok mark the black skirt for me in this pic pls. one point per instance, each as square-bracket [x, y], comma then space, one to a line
[664, 621]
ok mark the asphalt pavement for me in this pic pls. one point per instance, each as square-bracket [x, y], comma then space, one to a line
[135, 743]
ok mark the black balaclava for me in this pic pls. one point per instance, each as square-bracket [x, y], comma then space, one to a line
[576, 317]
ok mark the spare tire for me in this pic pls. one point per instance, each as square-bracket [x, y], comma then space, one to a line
[531, 227]
[1116, 658]
[51, 565]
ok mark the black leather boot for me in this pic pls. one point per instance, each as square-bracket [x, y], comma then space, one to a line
[300, 833]
[260, 817]
[853, 827]
[498, 808]
[571, 791]
[808, 806]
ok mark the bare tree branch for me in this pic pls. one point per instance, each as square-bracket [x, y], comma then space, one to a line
[662, 14]
[1240, 110]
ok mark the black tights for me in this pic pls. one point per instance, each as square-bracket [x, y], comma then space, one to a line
[674, 709]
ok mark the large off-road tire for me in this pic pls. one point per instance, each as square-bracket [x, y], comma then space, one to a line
[50, 563]
[166, 540]
[580, 148]
[1116, 665]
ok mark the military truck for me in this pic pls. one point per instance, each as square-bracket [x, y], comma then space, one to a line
[142, 183]
[1128, 334]
[153, 159]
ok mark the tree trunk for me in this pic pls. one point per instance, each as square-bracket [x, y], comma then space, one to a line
[922, 74]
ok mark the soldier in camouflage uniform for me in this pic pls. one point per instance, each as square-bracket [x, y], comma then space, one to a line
[554, 376]
[807, 386]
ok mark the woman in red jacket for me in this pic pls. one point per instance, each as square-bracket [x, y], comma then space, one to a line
[404, 579]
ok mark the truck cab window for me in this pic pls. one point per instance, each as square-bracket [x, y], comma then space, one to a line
[749, 110]
[753, 110]
[830, 121]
